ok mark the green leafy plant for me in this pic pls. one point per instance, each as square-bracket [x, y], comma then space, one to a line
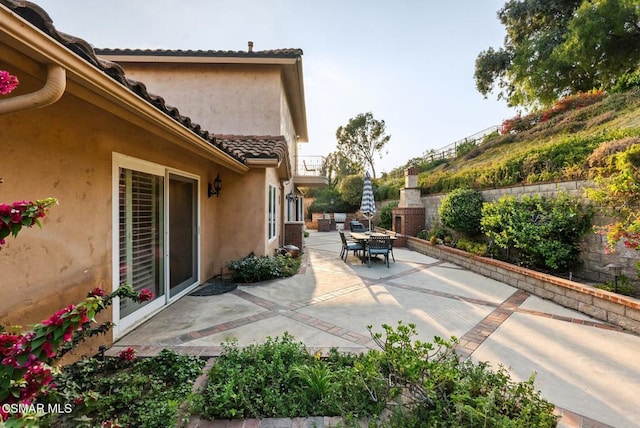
[623, 286]
[27, 358]
[257, 381]
[145, 392]
[440, 390]
[617, 191]
[473, 247]
[438, 233]
[545, 231]
[386, 216]
[254, 268]
[461, 210]
[422, 383]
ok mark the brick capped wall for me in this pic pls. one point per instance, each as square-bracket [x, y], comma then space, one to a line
[294, 233]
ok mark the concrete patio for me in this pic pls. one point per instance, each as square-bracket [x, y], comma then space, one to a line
[589, 369]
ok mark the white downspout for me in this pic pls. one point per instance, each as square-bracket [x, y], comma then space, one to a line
[49, 94]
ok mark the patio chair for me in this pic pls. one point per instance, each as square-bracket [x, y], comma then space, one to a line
[392, 235]
[356, 226]
[377, 245]
[347, 246]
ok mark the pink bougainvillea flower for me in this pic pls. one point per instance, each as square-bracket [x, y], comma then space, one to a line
[97, 292]
[57, 318]
[68, 335]
[8, 82]
[145, 295]
[128, 354]
[47, 347]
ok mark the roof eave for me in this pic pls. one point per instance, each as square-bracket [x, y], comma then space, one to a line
[94, 86]
[291, 67]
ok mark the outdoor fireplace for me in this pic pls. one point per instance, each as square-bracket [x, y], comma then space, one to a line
[409, 217]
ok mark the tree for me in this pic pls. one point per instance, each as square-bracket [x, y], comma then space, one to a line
[361, 138]
[559, 47]
[336, 166]
[351, 189]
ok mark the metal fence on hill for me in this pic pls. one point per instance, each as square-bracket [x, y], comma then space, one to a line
[451, 150]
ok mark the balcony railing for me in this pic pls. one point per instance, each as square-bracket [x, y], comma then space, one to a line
[310, 166]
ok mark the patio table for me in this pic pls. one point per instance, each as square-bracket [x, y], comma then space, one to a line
[363, 237]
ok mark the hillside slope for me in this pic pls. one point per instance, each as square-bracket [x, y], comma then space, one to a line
[565, 142]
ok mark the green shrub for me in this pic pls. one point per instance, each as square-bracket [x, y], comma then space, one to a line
[279, 378]
[386, 215]
[434, 387]
[254, 268]
[145, 392]
[438, 234]
[622, 287]
[440, 390]
[461, 211]
[464, 148]
[473, 247]
[627, 81]
[545, 231]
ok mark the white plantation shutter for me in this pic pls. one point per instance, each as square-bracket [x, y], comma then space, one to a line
[141, 234]
[272, 212]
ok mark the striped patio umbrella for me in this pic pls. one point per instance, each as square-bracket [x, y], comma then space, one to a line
[368, 206]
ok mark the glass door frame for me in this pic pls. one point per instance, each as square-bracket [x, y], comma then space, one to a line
[123, 326]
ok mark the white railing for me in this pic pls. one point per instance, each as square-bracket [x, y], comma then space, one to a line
[310, 165]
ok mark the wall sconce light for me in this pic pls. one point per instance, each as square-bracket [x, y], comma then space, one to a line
[291, 197]
[215, 187]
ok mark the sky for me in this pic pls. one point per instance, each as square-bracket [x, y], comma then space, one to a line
[408, 62]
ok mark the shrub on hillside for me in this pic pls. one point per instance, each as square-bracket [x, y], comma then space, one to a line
[627, 82]
[461, 211]
[545, 232]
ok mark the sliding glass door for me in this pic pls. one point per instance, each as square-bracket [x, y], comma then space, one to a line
[183, 242]
[141, 232]
[156, 243]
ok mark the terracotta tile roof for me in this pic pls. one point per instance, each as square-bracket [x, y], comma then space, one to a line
[254, 147]
[41, 20]
[274, 53]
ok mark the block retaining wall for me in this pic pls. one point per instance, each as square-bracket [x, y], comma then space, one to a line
[592, 257]
[613, 308]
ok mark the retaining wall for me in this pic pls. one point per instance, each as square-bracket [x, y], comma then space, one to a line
[592, 257]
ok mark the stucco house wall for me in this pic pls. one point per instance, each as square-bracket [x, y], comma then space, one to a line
[72, 150]
[233, 94]
[65, 151]
[225, 98]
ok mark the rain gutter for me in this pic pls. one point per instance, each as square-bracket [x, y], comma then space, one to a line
[48, 94]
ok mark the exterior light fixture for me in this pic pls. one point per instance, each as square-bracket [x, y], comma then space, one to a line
[615, 270]
[215, 187]
[291, 197]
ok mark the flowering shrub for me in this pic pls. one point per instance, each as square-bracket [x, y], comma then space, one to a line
[8, 82]
[618, 191]
[522, 123]
[15, 216]
[26, 358]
